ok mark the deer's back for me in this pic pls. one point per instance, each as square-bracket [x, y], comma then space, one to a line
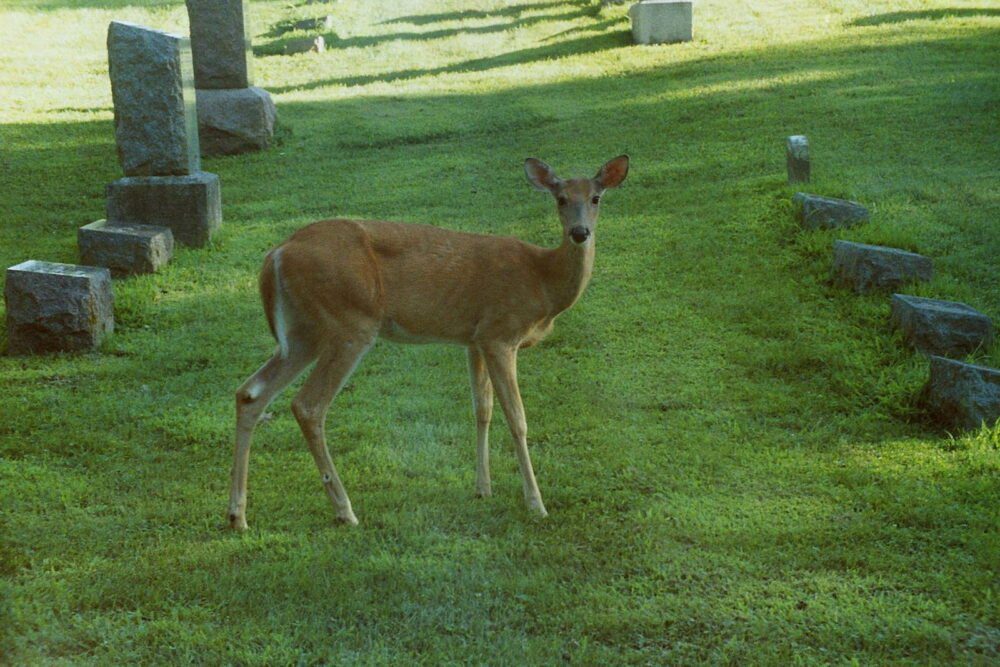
[418, 282]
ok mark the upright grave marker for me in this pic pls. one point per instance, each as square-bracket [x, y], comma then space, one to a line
[156, 131]
[797, 158]
[234, 116]
[962, 395]
[661, 21]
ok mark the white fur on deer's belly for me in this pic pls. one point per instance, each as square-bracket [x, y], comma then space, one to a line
[394, 332]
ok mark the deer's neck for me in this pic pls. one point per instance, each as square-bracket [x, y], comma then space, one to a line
[568, 271]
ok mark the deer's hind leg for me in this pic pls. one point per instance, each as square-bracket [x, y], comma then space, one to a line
[252, 398]
[482, 406]
[336, 363]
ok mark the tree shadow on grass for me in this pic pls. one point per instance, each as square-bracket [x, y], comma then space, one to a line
[277, 47]
[465, 14]
[928, 14]
[579, 46]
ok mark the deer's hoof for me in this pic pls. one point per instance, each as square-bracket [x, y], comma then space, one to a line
[237, 522]
[537, 508]
[347, 518]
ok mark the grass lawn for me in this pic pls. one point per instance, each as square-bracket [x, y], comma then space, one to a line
[730, 450]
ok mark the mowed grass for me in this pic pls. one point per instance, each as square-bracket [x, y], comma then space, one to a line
[732, 454]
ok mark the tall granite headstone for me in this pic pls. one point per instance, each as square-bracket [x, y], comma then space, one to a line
[234, 116]
[156, 130]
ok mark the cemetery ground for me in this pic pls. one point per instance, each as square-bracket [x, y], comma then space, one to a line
[731, 451]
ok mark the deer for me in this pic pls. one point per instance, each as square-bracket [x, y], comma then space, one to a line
[335, 286]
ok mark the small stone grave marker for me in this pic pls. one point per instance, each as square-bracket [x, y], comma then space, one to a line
[661, 21]
[797, 159]
[868, 268]
[57, 307]
[125, 249]
[945, 328]
[816, 212]
[961, 395]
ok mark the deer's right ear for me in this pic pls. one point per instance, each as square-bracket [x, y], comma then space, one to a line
[541, 175]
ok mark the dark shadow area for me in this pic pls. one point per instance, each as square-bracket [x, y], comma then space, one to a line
[509, 11]
[600, 26]
[573, 47]
[928, 14]
[335, 42]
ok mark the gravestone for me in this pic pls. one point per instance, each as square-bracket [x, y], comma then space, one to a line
[961, 395]
[234, 116]
[797, 159]
[125, 249]
[868, 268]
[944, 328]
[661, 21]
[156, 131]
[306, 45]
[816, 212]
[57, 307]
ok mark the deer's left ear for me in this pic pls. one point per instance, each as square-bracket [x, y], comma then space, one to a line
[612, 173]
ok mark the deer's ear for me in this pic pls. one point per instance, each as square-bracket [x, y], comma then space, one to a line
[541, 175]
[612, 173]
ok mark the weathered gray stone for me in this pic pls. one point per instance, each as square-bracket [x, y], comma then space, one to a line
[57, 307]
[661, 21]
[961, 395]
[306, 45]
[816, 212]
[235, 121]
[156, 127]
[868, 268]
[938, 327]
[321, 23]
[220, 43]
[191, 206]
[125, 249]
[797, 159]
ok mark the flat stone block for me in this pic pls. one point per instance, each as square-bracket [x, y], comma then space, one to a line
[191, 206]
[961, 395]
[661, 21]
[321, 23]
[797, 159]
[944, 328]
[306, 45]
[816, 212]
[220, 43]
[57, 307]
[125, 249]
[235, 121]
[152, 86]
[868, 268]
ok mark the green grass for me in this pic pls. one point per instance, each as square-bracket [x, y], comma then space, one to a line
[730, 450]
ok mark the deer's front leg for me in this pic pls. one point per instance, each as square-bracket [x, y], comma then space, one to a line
[502, 365]
[482, 406]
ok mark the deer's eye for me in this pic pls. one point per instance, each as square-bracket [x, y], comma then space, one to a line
[562, 200]
[596, 200]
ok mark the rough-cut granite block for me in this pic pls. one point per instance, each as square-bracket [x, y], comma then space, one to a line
[961, 395]
[868, 268]
[235, 121]
[944, 328]
[191, 206]
[57, 307]
[220, 43]
[156, 127]
[661, 21]
[816, 212]
[125, 249]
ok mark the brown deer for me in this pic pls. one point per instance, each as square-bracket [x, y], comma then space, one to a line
[335, 286]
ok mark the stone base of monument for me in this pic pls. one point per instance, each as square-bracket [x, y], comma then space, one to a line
[661, 21]
[235, 120]
[817, 212]
[125, 249]
[190, 206]
[868, 268]
[938, 327]
[57, 307]
[961, 395]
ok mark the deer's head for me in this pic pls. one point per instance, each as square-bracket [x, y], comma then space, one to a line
[578, 199]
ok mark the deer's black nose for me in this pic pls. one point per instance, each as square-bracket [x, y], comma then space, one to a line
[579, 234]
